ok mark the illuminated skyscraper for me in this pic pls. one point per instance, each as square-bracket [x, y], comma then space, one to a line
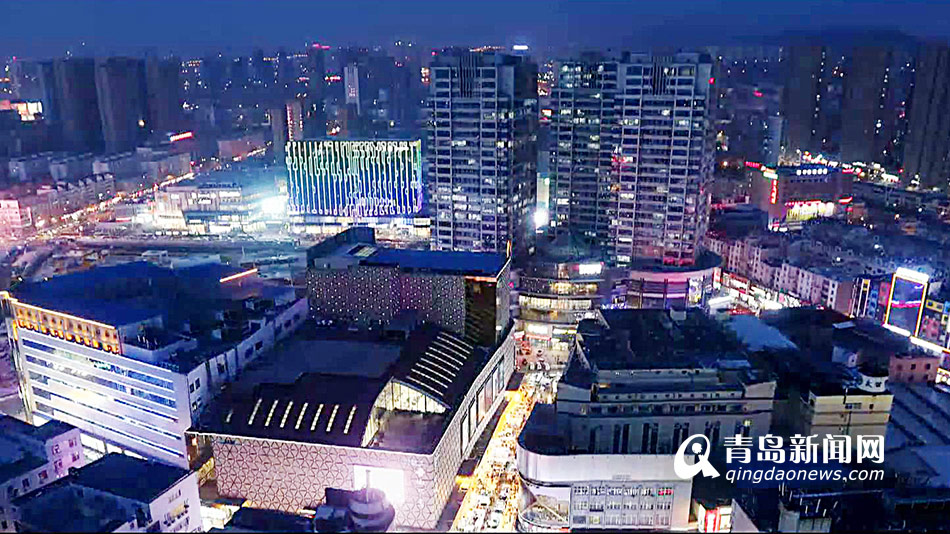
[286, 125]
[632, 154]
[482, 150]
[358, 179]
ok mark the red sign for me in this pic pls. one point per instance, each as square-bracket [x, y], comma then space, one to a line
[773, 196]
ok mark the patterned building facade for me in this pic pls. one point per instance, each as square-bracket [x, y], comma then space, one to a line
[357, 179]
[293, 475]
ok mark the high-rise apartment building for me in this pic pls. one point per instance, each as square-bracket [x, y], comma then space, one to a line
[120, 85]
[314, 107]
[848, 101]
[584, 130]
[812, 98]
[927, 151]
[482, 150]
[876, 90]
[163, 83]
[287, 124]
[74, 87]
[632, 154]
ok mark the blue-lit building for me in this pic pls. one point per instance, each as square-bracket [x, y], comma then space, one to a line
[131, 354]
[356, 180]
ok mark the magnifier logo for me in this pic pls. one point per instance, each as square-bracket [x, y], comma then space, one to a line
[687, 471]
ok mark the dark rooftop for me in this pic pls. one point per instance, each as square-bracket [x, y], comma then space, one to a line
[359, 244]
[335, 407]
[634, 339]
[125, 293]
[468, 263]
[50, 429]
[132, 478]
[319, 408]
[262, 520]
[63, 507]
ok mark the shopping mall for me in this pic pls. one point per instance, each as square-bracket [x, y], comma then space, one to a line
[352, 412]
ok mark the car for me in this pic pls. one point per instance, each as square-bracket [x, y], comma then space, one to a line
[494, 520]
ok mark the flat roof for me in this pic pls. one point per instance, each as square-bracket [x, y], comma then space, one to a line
[63, 507]
[635, 339]
[358, 246]
[131, 293]
[469, 263]
[132, 478]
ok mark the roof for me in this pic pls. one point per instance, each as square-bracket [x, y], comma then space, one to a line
[357, 245]
[50, 429]
[23, 446]
[132, 478]
[335, 407]
[318, 408]
[438, 364]
[262, 520]
[451, 262]
[645, 339]
[72, 511]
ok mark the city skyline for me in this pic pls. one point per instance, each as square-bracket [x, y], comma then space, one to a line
[115, 28]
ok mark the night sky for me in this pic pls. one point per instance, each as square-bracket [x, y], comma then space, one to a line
[41, 28]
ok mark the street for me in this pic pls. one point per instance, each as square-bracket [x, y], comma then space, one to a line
[491, 502]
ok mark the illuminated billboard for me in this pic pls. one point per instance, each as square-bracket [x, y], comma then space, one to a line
[349, 178]
[906, 301]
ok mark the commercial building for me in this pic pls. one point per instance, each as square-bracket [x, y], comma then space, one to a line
[27, 208]
[349, 181]
[331, 412]
[481, 152]
[639, 383]
[792, 195]
[835, 370]
[895, 196]
[564, 282]
[219, 203]
[116, 493]
[158, 166]
[352, 279]
[642, 381]
[633, 154]
[565, 488]
[32, 457]
[131, 354]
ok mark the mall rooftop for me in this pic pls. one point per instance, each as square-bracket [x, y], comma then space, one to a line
[325, 388]
[357, 246]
